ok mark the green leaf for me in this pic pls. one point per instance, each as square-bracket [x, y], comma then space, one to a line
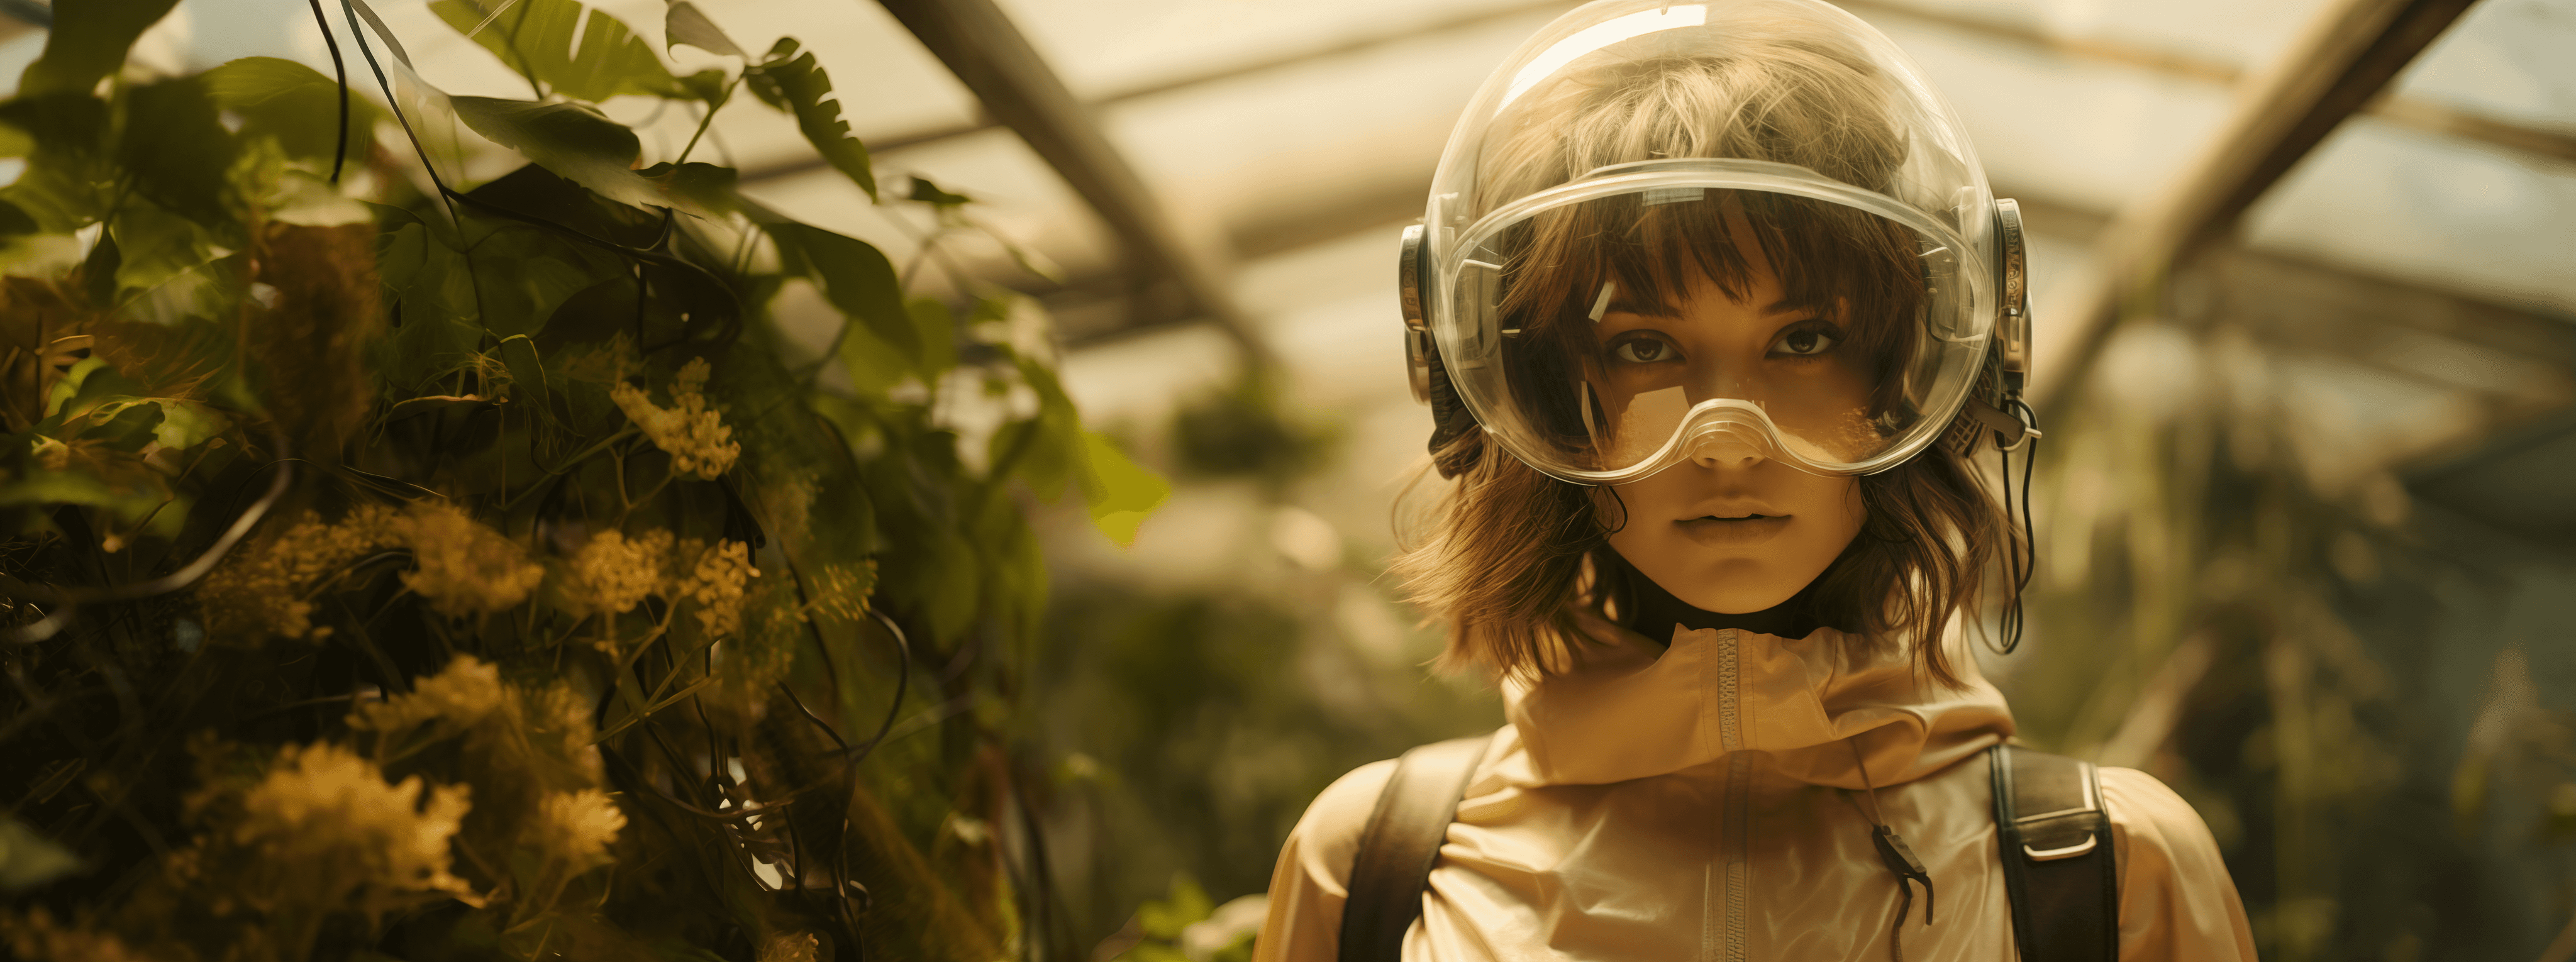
[180, 425]
[528, 386]
[875, 366]
[521, 289]
[929, 193]
[936, 330]
[433, 295]
[292, 103]
[538, 38]
[709, 86]
[686, 24]
[185, 425]
[708, 187]
[1153, 952]
[28, 859]
[177, 150]
[87, 42]
[857, 279]
[1121, 493]
[155, 245]
[1188, 903]
[535, 192]
[790, 81]
[68, 179]
[575, 142]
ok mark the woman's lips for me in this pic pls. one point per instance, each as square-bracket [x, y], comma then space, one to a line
[1733, 532]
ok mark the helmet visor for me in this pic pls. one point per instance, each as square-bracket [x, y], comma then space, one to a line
[1626, 323]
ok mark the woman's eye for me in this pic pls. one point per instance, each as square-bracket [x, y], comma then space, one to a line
[1643, 350]
[1806, 342]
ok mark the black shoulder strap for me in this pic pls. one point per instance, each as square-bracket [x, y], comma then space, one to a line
[1400, 844]
[2060, 869]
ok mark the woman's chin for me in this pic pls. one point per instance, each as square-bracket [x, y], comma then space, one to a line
[1736, 586]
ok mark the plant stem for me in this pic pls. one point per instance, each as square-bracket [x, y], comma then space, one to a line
[707, 121]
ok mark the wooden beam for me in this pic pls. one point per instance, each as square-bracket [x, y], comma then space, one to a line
[987, 52]
[1252, 67]
[2549, 145]
[2338, 65]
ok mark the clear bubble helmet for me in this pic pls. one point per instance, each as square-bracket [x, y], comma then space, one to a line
[1662, 226]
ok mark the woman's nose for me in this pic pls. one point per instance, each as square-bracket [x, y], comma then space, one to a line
[1727, 447]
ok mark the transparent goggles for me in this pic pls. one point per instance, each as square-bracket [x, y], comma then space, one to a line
[1612, 327]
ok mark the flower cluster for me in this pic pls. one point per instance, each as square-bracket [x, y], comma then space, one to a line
[789, 947]
[461, 697]
[576, 828]
[36, 937]
[716, 584]
[461, 566]
[613, 573]
[266, 590]
[327, 829]
[465, 567]
[692, 433]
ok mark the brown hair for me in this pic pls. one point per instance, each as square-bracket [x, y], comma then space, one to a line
[1512, 556]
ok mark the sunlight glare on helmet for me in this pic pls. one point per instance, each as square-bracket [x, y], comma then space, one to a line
[1602, 35]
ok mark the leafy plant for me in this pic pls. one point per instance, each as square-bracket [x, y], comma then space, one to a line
[405, 566]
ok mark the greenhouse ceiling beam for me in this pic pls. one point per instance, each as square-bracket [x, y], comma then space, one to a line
[2553, 145]
[2336, 66]
[2550, 145]
[987, 52]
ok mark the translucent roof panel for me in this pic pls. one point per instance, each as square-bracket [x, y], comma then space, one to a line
[1102, 47]
[2091, 133]
[2225, 31]
[2388, 200]
[2445, 212]
[2511, 60]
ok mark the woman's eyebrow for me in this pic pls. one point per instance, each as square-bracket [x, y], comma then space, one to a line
[1624, 305]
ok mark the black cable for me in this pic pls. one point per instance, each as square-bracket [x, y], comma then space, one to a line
[2012, 562]
[68, 600]
[339, 149]
[2021, 556]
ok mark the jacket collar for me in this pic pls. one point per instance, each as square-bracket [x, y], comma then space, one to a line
[1629, 711]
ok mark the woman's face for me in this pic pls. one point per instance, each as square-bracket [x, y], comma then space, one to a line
[1729, 530]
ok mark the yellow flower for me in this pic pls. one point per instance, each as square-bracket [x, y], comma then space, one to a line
[716, 584]
[327, 827]
[694, 435]
[561, 715]
[577, 828]
[464, 566]
[35, 938]
[789, 947]
[262, 591]
[462, 695]
[613, 573]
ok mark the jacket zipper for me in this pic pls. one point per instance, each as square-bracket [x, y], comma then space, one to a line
[1735, 814]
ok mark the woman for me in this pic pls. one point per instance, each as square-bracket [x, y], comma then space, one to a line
[1714, 307]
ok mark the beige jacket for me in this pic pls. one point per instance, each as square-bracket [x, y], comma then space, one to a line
[1705, 803]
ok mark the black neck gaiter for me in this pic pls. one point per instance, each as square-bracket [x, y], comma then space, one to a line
[1647, 609]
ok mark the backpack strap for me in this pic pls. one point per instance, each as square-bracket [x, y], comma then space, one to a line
[1400, 844]
[2060, 869]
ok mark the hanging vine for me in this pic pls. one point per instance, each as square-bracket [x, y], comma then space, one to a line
[401, 565]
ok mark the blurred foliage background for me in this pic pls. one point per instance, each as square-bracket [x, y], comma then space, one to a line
[2304, 523]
